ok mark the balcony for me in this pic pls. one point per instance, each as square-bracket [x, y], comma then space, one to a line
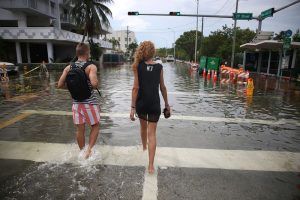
[32, 7]
[45, 34]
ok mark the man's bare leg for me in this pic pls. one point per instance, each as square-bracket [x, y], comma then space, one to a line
[144, 133]
[93, 138]
[151, 145]
[80, 136]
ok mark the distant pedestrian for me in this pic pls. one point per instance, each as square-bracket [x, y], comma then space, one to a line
[81, 79]
[148, 78]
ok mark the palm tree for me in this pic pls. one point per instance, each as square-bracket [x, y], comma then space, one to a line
[114, 42]
[90, 16]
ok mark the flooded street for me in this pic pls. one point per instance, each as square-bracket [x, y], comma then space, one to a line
[218, 143]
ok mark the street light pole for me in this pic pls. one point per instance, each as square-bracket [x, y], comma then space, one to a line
[234, 34]
[196, 33]
[174, 42]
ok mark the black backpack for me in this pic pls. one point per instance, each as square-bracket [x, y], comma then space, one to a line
[78, 83]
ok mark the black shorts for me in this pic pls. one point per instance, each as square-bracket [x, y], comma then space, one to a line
[149, 117]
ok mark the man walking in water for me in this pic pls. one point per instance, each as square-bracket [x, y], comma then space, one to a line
[81, 79]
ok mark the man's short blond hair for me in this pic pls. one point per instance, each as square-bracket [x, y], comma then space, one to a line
[82, 49]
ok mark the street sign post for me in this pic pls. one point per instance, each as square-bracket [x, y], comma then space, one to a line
[288, 33]
[286, 43]
[242, 16]
[267, 13]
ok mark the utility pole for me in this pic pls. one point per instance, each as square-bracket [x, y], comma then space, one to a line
[234, 34]
[196, 33]
[201, 41]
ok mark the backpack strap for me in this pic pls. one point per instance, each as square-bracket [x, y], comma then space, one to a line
[72, 65]
[86, 64]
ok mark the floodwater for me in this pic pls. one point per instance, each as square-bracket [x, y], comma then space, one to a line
[206, 115]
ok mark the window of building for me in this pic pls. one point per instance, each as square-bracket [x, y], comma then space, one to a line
[129, 39]
[126, 39]
[119, 39]
[125, 45]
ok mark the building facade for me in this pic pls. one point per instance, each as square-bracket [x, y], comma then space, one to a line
[40, 30]
[122, 36]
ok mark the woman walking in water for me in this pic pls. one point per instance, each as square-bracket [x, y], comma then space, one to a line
[148, 78]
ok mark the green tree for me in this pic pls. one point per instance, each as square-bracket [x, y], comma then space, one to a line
[90, 16]
[296, 36]
[132, 47]
[115, 43]
[219, 43]
[279, 36]
[186, 42]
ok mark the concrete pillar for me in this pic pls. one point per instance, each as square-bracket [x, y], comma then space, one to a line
[50, 52]
[269, 61]
[279, 64]
[18, 52]
[28, 53]
[58, 25]
[244, 59]
[259, 61]
[294, 58]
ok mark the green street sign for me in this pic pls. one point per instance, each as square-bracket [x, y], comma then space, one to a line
[242, 16]
[267, 13]
[286, 42]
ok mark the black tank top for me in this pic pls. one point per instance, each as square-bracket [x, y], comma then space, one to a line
[148, 101]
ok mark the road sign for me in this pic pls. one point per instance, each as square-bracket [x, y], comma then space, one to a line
[286, 42]
[242, 16]
[174, 13]
[288, 33]
[267, 13]
[133, 13]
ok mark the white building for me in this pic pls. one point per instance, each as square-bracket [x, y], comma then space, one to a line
[122, 36]
[40, 30]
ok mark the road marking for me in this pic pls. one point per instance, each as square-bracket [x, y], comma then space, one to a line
[150, 186]
[165, 156]
[179, 117]
[14, 120]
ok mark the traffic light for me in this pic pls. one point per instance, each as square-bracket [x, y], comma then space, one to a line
[174, 13]
[133, 13]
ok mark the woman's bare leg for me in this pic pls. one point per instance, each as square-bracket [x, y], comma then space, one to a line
[144, 133]
[151, 145]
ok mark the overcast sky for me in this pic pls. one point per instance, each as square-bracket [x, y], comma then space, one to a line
[161, 30]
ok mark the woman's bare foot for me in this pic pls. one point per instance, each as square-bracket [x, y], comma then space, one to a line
[88, 153]
[151, 169]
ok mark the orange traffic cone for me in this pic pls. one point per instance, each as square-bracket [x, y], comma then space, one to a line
[215, 77]
[208, 75]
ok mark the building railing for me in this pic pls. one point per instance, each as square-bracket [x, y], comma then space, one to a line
[40, 6]
[45, 34]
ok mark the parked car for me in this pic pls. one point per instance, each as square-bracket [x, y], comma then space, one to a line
[10, 67]
[170, 58]
[158, 60]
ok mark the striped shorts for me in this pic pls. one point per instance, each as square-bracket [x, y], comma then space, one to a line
[86, 113]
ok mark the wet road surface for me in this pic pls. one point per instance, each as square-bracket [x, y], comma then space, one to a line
[218, 144]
